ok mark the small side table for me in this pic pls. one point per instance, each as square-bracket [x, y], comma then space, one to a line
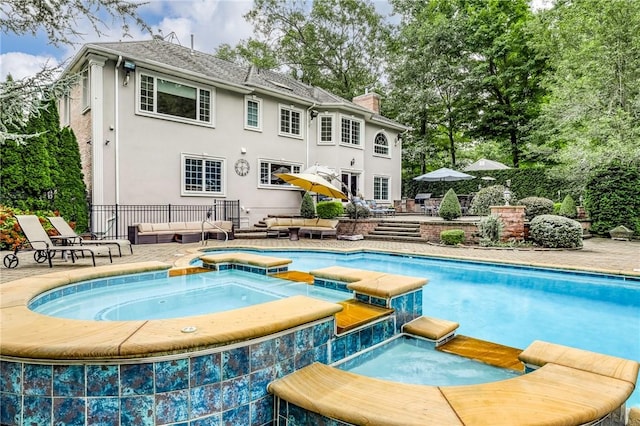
[293, 233]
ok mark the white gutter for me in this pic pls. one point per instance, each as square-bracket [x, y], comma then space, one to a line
[308, 118]
[116, 130]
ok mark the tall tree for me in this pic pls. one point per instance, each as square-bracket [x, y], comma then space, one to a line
[507, 71]
[333, 44]
[593, 110]
[428, 75]
[249, 52]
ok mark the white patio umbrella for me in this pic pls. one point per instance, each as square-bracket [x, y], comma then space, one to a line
[320, 170]
[312, 183]
[443, 175]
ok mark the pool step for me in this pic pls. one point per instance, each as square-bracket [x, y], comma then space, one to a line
[487, 352]
[297, 276]
[355, 314]
[189, 270]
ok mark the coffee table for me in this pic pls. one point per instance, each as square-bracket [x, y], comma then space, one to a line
[188, 237]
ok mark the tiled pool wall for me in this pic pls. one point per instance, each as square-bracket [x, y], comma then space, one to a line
[246, 268]
[292, 415]
[227, 385]
[224, 387]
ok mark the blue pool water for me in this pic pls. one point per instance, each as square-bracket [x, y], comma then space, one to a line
[410, 360]
[512, 305]
[156, 298]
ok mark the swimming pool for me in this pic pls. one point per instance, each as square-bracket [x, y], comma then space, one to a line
[171, 297]
[407, 359]
[512, 305]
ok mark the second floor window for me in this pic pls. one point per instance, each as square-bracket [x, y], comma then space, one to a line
[381, 145]
[350, 131]
[253, 113]
[173, 99]
[326, 129]
[290, 122]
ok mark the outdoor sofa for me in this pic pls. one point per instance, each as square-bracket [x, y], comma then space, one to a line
[183, 232]
[277, 226]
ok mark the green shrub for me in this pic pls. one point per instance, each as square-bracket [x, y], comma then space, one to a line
[487, 197]
[568, 208]
[612, 197]
[362, 212]
[556, 208]
[535, 206]
[555, 231]
[452, 237]
[307, 208]
[450, 206]
[329, 209]
[490, 229]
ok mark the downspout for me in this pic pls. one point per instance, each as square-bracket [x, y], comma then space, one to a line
[307, 135]
[116, 130]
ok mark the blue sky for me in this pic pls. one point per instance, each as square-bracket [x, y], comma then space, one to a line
[212, 22]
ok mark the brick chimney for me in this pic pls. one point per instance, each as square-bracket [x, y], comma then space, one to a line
[370, 100]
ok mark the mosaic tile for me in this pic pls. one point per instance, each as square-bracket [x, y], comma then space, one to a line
[237, 417]
[377, 332]
[362, 298]
[235, 362]
[322, 333]
[302, 359]
[103, 411]
[366, 337]
[205, 400]
[136, 379]
[259, 381]
[213, 420]
[262, 411]
[11, 377]
[102, 380]
[338, 348]
[205, 369]
[68, 380]
[322, 354]
[38, 379]
[137, 410]
[304, 339]
[353, 343]
[37, 410]
[10, 409]
[69, 411]
[172, 375]
[284, 367]
[235, 392]
[172, 407]
[284, 346]
[297, 416]
[262, 354]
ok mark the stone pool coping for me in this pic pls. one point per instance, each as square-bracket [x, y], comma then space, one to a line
[578, 387]
[30, 335]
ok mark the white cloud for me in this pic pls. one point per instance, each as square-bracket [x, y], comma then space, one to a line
[21, 65]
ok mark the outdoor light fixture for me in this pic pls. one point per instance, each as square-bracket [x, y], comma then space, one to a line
[313, 113]
[128, 66]
[353, 161]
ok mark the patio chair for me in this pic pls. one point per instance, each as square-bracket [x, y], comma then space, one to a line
[39, 242]
[72, 238]
[378, 211]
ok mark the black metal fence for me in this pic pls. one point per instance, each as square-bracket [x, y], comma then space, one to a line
[112, 220]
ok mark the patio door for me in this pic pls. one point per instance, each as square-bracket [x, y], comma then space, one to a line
[350, 181]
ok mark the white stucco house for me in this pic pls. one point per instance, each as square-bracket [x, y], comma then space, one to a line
[158, 123]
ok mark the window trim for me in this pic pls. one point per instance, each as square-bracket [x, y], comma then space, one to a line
[388, 179]
[377, 154]
[173, 79]
[223, 170]
[247, 99]
[361, 139]
[86, 89]
[333, 129]
[290, 108]
[279, 162]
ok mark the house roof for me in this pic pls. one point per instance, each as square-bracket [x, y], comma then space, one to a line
[248, 79]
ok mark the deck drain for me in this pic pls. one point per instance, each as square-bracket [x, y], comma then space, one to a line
[189, 329]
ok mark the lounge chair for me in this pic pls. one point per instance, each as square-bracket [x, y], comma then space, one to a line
[72, 238]
[378, 211]
[39, 242]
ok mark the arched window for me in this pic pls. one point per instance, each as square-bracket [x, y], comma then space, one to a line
[381, 144]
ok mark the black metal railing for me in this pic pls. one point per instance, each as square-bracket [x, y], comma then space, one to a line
[112, 220]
